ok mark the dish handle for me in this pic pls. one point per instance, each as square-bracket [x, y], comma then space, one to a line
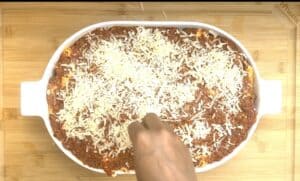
[32, 98]
[270, 97]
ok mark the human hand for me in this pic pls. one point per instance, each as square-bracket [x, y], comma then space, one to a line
[159, 154]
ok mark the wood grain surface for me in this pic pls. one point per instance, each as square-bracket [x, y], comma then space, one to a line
[31, 32]
[295, 14]
[1, 105]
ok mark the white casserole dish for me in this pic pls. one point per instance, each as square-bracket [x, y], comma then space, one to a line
[34, 98]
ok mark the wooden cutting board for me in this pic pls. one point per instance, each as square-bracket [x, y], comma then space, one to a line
[30, 33]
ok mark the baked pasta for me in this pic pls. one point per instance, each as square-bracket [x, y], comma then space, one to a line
[197, 81]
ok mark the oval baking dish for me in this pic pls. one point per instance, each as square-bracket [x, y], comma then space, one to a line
[34, 98]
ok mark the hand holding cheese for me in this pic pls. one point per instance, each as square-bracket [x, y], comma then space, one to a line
[158, 153]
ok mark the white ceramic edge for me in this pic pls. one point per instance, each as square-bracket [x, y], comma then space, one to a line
[271, 91]
[30, 106]
[179, 24]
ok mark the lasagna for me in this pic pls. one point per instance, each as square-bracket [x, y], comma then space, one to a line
[198, 82]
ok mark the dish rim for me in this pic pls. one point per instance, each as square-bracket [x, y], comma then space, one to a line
[179, 24]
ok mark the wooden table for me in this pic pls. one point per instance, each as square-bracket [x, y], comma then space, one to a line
[30, 33]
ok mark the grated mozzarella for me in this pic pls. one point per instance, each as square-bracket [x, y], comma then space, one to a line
[139, 73]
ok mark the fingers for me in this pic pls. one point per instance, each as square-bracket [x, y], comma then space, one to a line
[134, 129]
[168, 127]
[152, 122]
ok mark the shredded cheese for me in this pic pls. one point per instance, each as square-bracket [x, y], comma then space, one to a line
[139, 73]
